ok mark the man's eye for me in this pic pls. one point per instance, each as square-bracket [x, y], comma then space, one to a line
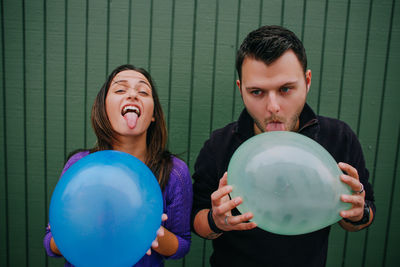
[256, 92]
[285, 90]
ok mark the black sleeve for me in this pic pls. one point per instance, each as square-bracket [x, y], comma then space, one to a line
[206, 179]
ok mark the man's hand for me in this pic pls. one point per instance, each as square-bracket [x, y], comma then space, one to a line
[222, 207]
[357, 198]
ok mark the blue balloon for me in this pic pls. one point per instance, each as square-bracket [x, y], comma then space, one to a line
[106, 210]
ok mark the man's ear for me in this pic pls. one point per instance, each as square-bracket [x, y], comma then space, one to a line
[308, 80]
[238, 84]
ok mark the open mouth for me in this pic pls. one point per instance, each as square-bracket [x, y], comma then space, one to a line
[128, 109]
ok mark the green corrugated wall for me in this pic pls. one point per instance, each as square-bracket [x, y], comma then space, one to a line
[55, 55]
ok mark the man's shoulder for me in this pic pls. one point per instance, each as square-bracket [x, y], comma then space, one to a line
[225, 131]
[330, 123]
[335, 131]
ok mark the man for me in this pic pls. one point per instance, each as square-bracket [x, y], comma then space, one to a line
[274, 83]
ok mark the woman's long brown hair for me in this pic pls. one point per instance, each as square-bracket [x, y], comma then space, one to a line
[158, 157]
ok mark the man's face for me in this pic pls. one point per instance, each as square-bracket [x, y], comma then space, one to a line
[274, 94]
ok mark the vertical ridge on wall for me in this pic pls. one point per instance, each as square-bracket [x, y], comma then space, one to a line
[303, 20]
[150, 35]
[341, 83]
[171, 56]
[282, 12]
[364, 68]
[236, 48]
[65, 76]
[4, 235]
[85, 108]
[128, 54]
[108, 39]
[24, 93]
[190, 104]
[321, 69]
[44, 77]
[214, 60]
[392, 195]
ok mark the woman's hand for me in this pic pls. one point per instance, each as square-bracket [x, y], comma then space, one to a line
[160, 233]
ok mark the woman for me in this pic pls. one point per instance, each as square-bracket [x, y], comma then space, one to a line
[127, 116]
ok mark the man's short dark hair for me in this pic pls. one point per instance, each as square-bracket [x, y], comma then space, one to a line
[267, 44]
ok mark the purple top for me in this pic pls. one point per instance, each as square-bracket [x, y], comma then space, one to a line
[177, 199]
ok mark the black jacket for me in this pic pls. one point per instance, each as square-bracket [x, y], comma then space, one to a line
[258, 247]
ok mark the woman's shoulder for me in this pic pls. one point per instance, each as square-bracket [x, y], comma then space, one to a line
[180, 170]
[73, 157]
[180, 181]
[76, 155]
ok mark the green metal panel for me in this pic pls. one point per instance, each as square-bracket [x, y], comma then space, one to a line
[224, 81]
[56, 54]
[200, 102]
[34, 131]
[3, 156]
[75, 90]
[160, 48]
[180, 77]
[96, 58]
[15, 125]
[313, 39]
[118, 30]
[383, 145]
[392, 195]
[139, 42]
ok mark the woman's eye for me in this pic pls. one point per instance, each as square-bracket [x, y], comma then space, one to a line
[145, 93]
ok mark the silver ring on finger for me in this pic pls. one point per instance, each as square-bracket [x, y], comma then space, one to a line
[226, 220]
[361, 190]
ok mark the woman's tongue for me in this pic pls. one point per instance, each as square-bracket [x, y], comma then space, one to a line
[131, 119]
[275, 126]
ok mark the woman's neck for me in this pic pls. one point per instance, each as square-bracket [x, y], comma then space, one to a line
[137, 147]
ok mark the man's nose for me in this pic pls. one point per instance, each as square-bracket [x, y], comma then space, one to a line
[273, 103]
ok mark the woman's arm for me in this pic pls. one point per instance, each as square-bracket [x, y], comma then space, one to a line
[179, 196]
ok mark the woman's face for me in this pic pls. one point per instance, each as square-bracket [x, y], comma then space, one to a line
[130, 104]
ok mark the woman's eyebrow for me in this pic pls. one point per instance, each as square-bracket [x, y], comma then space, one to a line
[126, 81]
[120, 81]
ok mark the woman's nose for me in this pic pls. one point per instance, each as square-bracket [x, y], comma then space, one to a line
[132, 93]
